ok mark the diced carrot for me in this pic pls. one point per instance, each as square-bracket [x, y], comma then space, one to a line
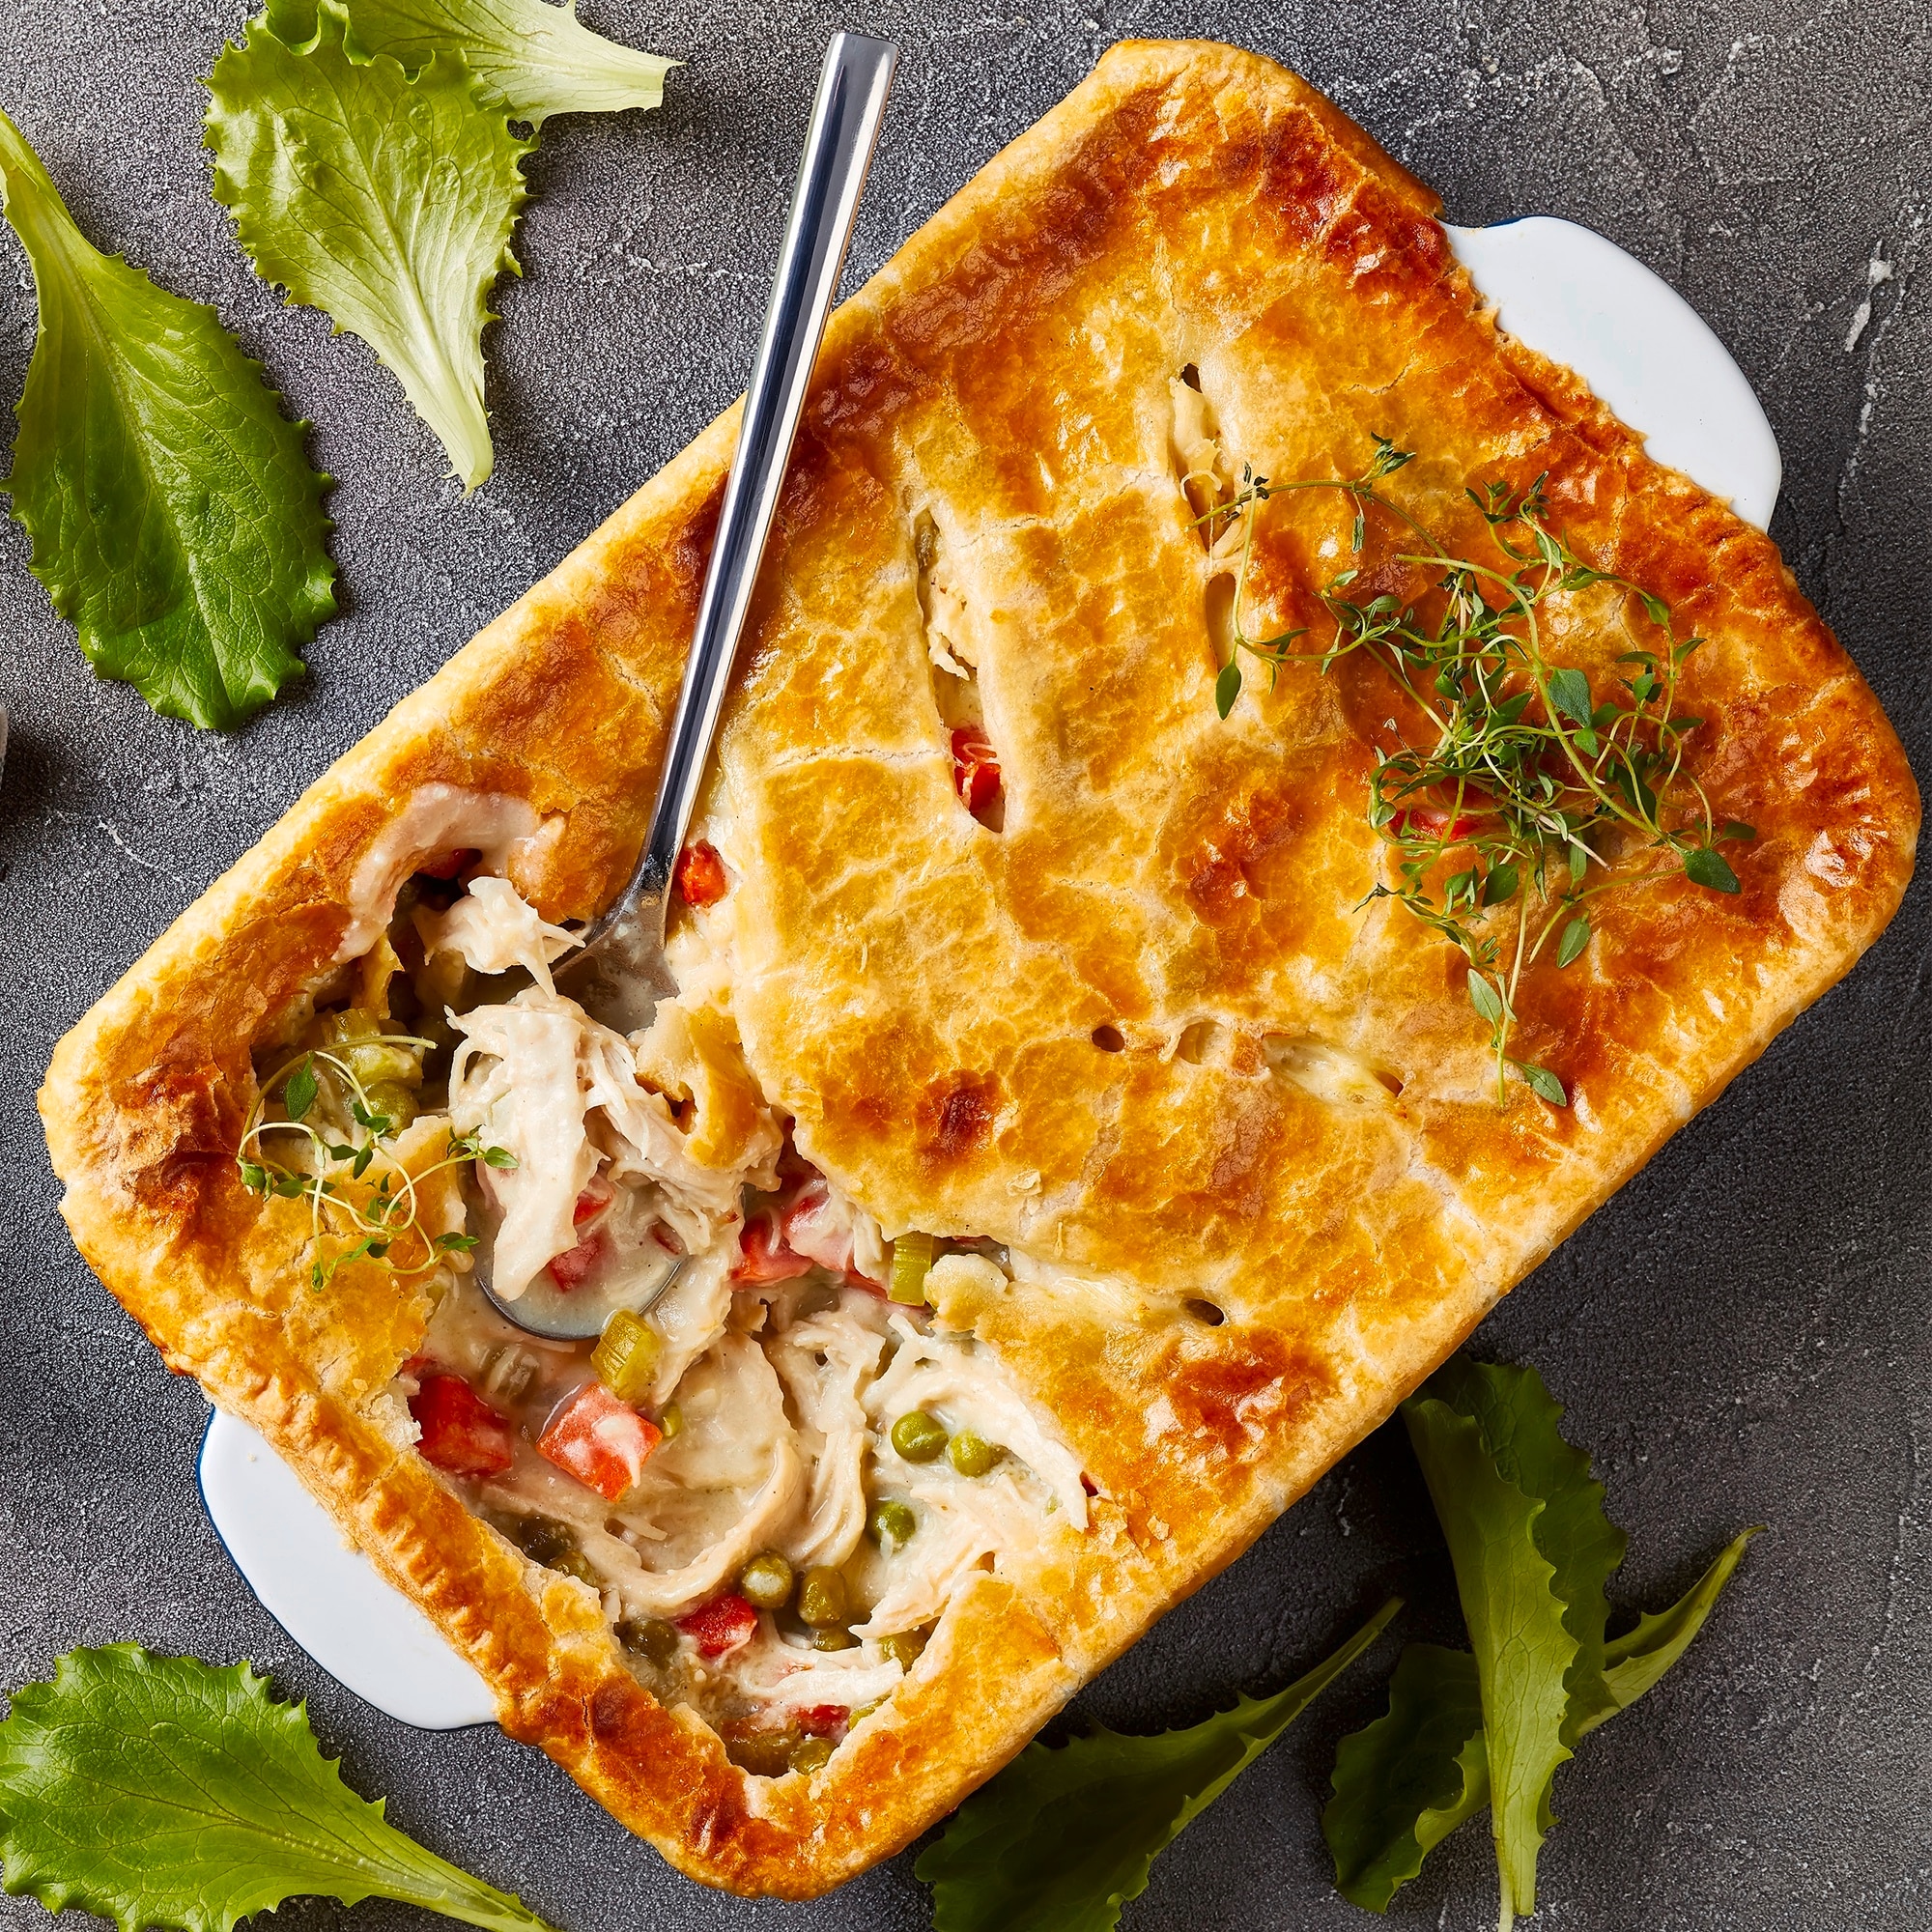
[721, 1625]
[976, 770]
[700, 874]
[462, 1434]
[593, 1200]
[603, 1442]
[763, 1257]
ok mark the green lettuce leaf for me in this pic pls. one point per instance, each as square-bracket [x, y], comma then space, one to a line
[530, 58]
[175, 521]
[1516, 1622]
[1405, 1781]
[1636, 1659]
[384, 200]
[1520, 1421]
[1062, 1839]
[162, 1791]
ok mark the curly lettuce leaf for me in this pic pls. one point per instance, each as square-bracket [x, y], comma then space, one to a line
[530, 59]
[1062, 1839]
[1407, 1779]
[175, 520]
[1516, 1623]
[384, 200]
[1520, 1423]
[161, 1791]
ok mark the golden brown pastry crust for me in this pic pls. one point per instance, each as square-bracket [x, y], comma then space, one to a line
[923, 993]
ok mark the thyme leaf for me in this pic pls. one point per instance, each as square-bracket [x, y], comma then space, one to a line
[386, 1225]
[1528, 788]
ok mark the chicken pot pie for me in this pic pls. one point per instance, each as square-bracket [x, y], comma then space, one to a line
[1057, 1154]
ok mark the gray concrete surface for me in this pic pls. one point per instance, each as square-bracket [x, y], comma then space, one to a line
[1740, 1335]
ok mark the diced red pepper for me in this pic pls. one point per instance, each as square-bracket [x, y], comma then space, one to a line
[824, 1720]
[593, 1200]
[447, 864]
[603, 1442]
[976, 770]
[571, 1269]
[1425, 821]
[721, 1625]
[763, 1256]
[462, 1434]
[700, 874]
[817, 1230]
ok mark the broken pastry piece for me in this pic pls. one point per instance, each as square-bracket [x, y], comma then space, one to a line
[1014, 982]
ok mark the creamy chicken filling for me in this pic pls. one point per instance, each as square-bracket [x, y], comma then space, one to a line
[775, 1477]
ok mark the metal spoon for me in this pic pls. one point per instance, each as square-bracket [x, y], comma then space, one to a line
[619, 975]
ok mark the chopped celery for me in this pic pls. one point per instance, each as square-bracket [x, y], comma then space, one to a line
[356, 1036]
[626, 1356]
[912, 1262]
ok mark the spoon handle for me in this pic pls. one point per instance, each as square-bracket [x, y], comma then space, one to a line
[845, 120]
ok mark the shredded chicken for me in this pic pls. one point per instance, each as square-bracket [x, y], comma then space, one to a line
[560, 1092]
[645, 1145]
[825, 1362]
[965, 1525]
[495, 931]
[960, 1381]
[514, 1081]
[787, 1676]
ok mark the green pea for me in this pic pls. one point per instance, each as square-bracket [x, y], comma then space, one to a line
[821, 1596]
[893, 1524]
[917, 1437]
[766, 1581]
[838, 1637]
[813, 1754]
[905, 1647]
[396, 1100]
[649, 1637]
[972, 1456]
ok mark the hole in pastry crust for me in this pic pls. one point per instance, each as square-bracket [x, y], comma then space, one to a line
[1330, 1072]
[952, 655]
[1109, 1039]
[1199, 1043]
[1218, 613]
[1203, 1310]
[1201, 467]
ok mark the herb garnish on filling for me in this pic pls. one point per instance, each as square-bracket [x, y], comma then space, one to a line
[390, 1214]
[1538, 784]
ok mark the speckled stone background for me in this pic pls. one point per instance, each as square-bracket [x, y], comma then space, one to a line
[1740, 1335]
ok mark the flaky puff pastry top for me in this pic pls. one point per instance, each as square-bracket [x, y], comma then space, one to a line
[1090, 1034]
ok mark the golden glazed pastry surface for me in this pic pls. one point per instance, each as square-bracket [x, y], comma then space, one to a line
[1108, 1035]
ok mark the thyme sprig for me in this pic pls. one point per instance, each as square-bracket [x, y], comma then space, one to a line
[384, 1226]
[1535, 783]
